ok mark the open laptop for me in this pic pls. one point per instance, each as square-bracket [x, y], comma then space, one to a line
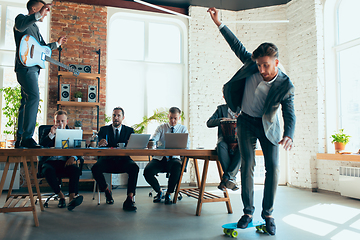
[176, 140]
[138, 141]
[64, 134]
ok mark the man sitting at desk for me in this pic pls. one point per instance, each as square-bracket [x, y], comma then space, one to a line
[169, 164]
[60, 166]
[110, 136]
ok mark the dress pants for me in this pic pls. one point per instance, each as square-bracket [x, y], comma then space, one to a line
[55, 169]
[28, 80]
[229, 159]
[116, 165]
[250, 129]
[171, 166]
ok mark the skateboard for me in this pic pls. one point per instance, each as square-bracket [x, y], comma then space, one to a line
[230, 228]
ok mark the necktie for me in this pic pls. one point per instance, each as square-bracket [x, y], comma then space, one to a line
[172, 129]
[116, 135]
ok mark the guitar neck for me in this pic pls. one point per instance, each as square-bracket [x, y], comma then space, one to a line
[49, 59]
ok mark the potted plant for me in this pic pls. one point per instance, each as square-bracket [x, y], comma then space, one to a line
[78, 124]
[340, 139]
[78, 95]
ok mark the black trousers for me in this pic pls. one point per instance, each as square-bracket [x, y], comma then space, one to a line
[249, 129]
[55, 169]
[173, 167]
[116, 165]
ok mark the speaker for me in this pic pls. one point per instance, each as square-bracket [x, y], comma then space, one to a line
[81, 68]
[65, 92]
[92, 94]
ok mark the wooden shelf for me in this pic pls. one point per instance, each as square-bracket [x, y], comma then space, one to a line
[90, 76]
[79, 104]
[339, 157]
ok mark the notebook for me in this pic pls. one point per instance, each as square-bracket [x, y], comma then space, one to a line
[176, 140]
[64, 134]
[138, 141]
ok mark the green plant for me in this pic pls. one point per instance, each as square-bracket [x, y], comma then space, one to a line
[12, 97]
[340, 137]
[160, 115]
[78, 123]
[78, 94]
[107, 119]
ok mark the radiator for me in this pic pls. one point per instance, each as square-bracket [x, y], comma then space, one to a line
[9, 175]
[349, 178]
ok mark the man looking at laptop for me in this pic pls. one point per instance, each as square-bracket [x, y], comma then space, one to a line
[60, 166]
[169, 164]
[110, 136]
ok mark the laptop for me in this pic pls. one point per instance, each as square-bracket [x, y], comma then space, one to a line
[176, 140]
[65, 134]
[138, 141]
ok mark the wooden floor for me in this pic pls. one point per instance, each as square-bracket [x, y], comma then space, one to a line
[299, 215]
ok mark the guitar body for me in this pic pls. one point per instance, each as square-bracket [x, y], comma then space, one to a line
[31, 53]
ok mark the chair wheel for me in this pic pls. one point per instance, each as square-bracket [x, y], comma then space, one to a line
[36, 201]
[150, 194]
[46, 205]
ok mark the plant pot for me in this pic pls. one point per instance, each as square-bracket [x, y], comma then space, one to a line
[339, 146]
[78, 128]
[78, 99]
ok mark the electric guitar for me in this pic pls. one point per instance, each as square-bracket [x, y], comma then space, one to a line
[31, 53]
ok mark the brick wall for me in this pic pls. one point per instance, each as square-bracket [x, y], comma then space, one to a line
[85, 28]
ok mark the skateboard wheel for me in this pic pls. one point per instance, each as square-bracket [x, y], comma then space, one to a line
[227, 231]
[234, 233]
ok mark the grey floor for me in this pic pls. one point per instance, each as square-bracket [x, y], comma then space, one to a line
[299, 214]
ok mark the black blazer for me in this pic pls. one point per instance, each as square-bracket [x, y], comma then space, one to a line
[107, 132]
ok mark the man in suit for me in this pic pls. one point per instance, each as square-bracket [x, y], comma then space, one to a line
[28, 76]
[60, 166]
[169, 164]
[228, 155]
[110, 136]
[259, 88]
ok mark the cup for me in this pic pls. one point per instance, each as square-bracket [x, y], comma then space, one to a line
[83, 144]
[77, 143]
[121, 145]
[151, 144]
[2, 144]
[93, 143]
[65, 143]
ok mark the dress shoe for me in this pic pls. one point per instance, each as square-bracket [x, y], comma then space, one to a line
[29, 143]
[168, 200]
[244, 221]
[231, 184]
[75, 202]
[129, 205]
[62, 203]
[108, 195]
[270, 225]
[158, 197]
[222, 186]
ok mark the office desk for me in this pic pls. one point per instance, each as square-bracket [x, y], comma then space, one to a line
[23, 155]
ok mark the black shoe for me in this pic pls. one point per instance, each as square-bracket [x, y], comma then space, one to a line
[158, 197]
[75, 202]
[108, 195]
[222, 186]
[231, 184]
[29, 143]
[17, 144]
[129, 205]
[244, 221]
[62, 203]
[168, 200]
[270, 226]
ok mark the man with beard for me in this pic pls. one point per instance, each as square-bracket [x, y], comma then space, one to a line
[110, 136]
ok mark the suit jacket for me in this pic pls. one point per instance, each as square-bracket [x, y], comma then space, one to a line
[26, 24]
[214, 120]
[107, 132]
[281, 92]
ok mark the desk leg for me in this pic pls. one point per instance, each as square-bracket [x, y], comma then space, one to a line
[197, 173]
[226, 194]
[12, 180]
[3, 178]
[202, 187]
[186, 159]
[28, 183]
[32, 164]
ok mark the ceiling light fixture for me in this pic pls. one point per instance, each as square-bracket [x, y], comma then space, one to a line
[161, 8]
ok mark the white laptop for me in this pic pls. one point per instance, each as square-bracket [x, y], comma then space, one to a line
[138, 141]
[176, 140]
[65, 134]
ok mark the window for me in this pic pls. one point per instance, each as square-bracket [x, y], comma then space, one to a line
[146, 67]
[8, 12]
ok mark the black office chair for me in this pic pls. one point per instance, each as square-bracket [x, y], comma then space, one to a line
[52, 196]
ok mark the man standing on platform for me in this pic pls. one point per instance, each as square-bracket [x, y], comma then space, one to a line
[259, 88]
[28, 76]
[60, 166]
[110, 136]
[168, 164]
